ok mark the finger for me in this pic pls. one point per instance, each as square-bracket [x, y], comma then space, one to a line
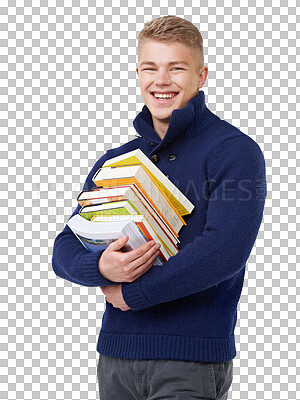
[105, 289]
[119, 243]
[142, 269]
[139, 252]
[116, 305]
[137, 262]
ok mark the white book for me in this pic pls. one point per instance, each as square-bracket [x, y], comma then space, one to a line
[97, 236]
[142, 224]
[90, 213]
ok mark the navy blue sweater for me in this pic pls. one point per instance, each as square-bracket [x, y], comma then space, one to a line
[187, 308]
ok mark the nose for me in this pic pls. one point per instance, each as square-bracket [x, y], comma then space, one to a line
[162, 77]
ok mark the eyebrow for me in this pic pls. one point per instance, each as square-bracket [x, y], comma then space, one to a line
[170, 63]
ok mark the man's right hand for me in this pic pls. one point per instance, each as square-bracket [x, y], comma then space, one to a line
[119, 266]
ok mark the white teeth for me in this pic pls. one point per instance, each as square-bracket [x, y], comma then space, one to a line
[164, 96]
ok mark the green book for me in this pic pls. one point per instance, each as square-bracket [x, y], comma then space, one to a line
[124, 207]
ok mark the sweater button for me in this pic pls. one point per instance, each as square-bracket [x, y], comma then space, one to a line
[154, 159]
[172, 157]
[152, 144]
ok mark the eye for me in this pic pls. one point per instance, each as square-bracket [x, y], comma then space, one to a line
[152, 69]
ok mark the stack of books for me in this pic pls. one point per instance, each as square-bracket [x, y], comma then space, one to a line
[132, 197]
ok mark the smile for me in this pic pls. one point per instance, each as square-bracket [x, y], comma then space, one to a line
[164, 97]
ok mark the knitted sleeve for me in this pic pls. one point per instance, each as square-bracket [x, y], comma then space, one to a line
[237, 186]
[70, 259]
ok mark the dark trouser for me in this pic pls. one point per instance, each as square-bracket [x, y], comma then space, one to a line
[124, 379]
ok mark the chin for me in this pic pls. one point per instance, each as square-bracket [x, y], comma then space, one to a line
[161, 116]
[165, 119]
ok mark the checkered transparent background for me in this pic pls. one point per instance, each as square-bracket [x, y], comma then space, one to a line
[69, 91]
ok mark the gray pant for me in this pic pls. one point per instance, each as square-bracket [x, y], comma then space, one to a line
[124, 379]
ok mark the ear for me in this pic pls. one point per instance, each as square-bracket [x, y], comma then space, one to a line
[202, 76]
[137, 71]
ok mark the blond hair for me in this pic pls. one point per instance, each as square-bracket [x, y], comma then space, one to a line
[173, 29]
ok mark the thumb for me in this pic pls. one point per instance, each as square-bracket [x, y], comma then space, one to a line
[119, 243]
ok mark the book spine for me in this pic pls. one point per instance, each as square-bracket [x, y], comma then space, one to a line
[122, 182]
[148, 209]
[162, 190]
[143, 229]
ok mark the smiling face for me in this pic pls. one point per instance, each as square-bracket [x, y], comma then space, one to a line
[171, 70]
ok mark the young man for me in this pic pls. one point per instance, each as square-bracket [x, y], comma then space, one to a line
[168, 331]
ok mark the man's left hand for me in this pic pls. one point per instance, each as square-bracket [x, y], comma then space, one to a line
[114, 296]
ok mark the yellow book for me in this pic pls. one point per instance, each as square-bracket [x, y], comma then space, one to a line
[175, 196]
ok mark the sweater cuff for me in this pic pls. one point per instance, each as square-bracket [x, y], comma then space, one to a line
[134, 296]
[90, 270]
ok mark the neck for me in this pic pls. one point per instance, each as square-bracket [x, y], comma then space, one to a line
[161, 127]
